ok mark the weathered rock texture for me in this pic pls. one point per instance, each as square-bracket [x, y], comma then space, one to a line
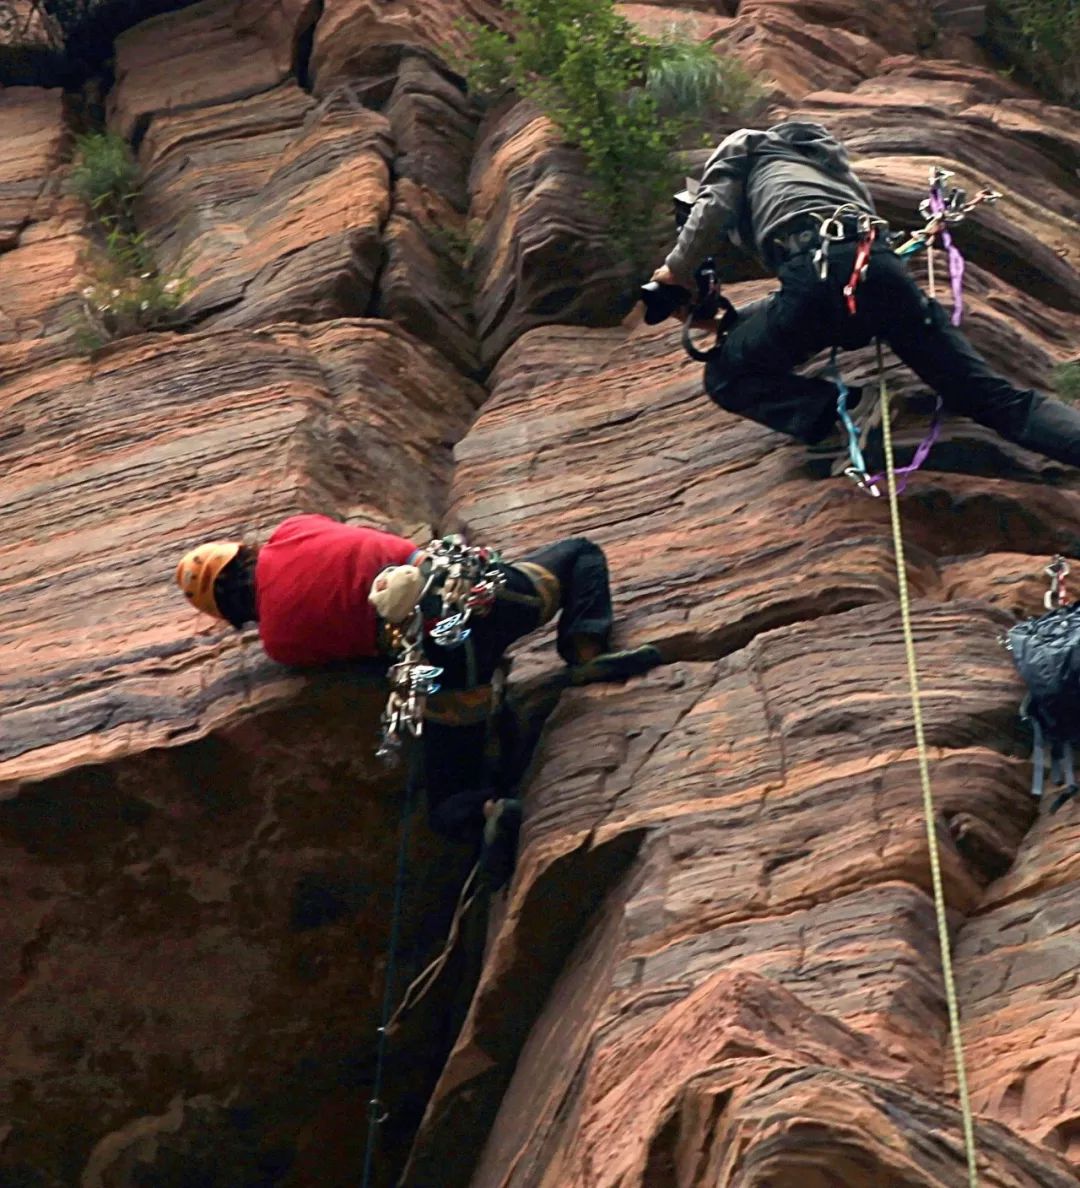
[271, 203]
[41, 230]
[198, 847]
[360, 42]
[209, 434]
[717, 962]
[718, 536]
[27, 37]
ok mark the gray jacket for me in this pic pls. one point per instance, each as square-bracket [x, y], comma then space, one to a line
[757, 181]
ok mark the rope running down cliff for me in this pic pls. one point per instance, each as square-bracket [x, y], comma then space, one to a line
[924, 775]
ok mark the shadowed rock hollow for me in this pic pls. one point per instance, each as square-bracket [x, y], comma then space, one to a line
[717, 962]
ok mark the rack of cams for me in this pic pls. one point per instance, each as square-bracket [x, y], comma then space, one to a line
[465, 581]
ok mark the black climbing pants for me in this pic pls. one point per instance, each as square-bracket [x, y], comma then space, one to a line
[458, 763]
[751, 375]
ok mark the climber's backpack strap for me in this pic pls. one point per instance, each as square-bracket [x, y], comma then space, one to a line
[1067, 778]
[1046, 651]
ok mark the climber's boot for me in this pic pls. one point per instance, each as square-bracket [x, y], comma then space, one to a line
[1052, 428]
[499, 850]
[616, 666]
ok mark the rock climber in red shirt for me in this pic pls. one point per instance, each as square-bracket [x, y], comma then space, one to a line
[321, 591]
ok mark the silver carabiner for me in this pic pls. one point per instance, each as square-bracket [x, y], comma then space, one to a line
[820, 260]
[862, 480]
[451, 632]
[1057, 570]
[425, 679]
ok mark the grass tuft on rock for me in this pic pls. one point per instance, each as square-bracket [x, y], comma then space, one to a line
[126, 293]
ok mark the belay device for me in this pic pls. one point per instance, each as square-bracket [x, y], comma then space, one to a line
[460, 583]
[1046, 651]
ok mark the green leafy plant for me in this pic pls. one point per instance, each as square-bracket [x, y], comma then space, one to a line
[106, 177]
[1067, 380]
[624, 99]
[1040, 39]
[126, 294]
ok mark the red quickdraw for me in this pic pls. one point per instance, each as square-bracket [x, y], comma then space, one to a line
[858, 271]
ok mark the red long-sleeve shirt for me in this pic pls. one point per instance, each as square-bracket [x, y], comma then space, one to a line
[312, 580]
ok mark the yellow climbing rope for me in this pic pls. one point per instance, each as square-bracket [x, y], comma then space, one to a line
[924, 775]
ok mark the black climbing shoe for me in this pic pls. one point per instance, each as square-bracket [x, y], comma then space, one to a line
[616, 666]
[499, 850]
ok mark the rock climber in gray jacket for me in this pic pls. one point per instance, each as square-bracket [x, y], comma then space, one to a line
[770, 192]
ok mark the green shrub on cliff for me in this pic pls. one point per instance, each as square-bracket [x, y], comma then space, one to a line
[126, 293]
[623, 98]
[106, 177]
[1041, 38]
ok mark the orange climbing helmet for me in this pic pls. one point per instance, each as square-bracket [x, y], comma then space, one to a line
[198, 570]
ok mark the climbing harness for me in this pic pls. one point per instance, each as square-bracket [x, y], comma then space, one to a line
[465, 582]
[1046, 651]
[941, 211]
[837, 228]
[929, 811]
[867, 233]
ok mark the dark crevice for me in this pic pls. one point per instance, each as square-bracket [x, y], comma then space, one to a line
[138, 132]
[555, 914]
[374, 307]
[661, 1168]
[699, 646]
[314, 895]
[89, 33]
[986, 853]
[305, 44]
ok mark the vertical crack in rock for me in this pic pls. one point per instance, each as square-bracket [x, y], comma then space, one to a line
[717, 962]
[548, 922]
[305, 44]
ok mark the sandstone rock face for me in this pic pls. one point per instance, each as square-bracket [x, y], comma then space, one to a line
[41, 230]
[260, 425]
[270, 203]
[612, 440]
[361, 41]
[205, 54]
[1016, 964]
[717, 963]
[194, 841]
[425, 282]
[540, 253]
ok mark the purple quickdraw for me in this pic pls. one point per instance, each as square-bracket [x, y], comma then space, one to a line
[956, 259]
[903, 473]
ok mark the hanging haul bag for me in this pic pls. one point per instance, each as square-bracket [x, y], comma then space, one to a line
[1047, 654]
